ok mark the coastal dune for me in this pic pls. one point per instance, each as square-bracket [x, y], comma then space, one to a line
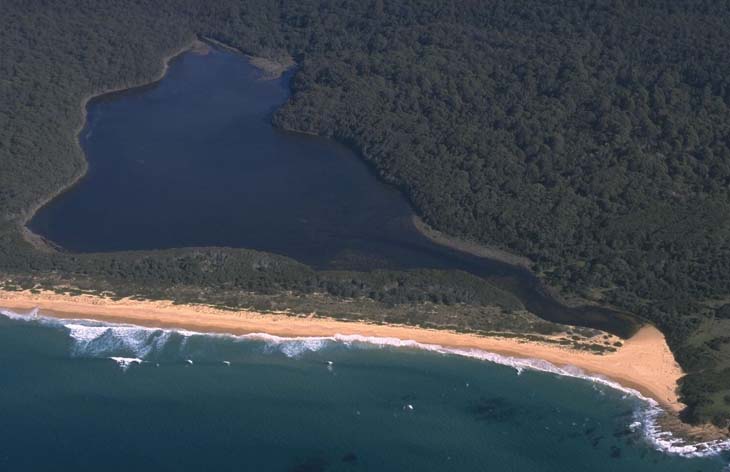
[644, 362]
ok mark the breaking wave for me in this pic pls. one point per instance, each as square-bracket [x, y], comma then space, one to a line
[131, 345]
[126, 362]
[98, 341]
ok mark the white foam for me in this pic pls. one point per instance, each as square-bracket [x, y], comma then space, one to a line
[290, 347]
[126, 362]
[98, 339]
[95, 338]
[32, 315]
[110, 339]
[668, 442]
[648, 417]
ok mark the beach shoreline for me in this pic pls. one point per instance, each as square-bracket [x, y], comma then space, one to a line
[643, 363]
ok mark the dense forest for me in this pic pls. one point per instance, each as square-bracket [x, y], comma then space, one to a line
[591, 136]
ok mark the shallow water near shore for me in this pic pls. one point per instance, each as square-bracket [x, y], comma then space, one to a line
[93, 396]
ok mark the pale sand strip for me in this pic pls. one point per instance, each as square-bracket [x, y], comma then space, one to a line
[644, 362]
[470, 247]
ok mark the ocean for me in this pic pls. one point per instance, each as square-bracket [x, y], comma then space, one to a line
[87, 396]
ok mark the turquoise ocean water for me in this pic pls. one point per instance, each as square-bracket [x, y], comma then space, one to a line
[81, 395]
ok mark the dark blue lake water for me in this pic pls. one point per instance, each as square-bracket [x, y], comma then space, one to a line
[280, 406]
[194, 161]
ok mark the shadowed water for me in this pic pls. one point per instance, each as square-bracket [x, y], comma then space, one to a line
[297, 405]
[194, 161]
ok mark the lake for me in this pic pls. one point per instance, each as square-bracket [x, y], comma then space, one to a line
[193, 160]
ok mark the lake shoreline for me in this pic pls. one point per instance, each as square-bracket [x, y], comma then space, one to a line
[38, 241]
[644, 363]
[470, 247]
[198, 45]
[272, 69]
[496, 253]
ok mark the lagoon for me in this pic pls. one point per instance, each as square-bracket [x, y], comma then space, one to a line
[193, 160]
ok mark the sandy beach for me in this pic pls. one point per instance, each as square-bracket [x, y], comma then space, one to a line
[644, 362]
